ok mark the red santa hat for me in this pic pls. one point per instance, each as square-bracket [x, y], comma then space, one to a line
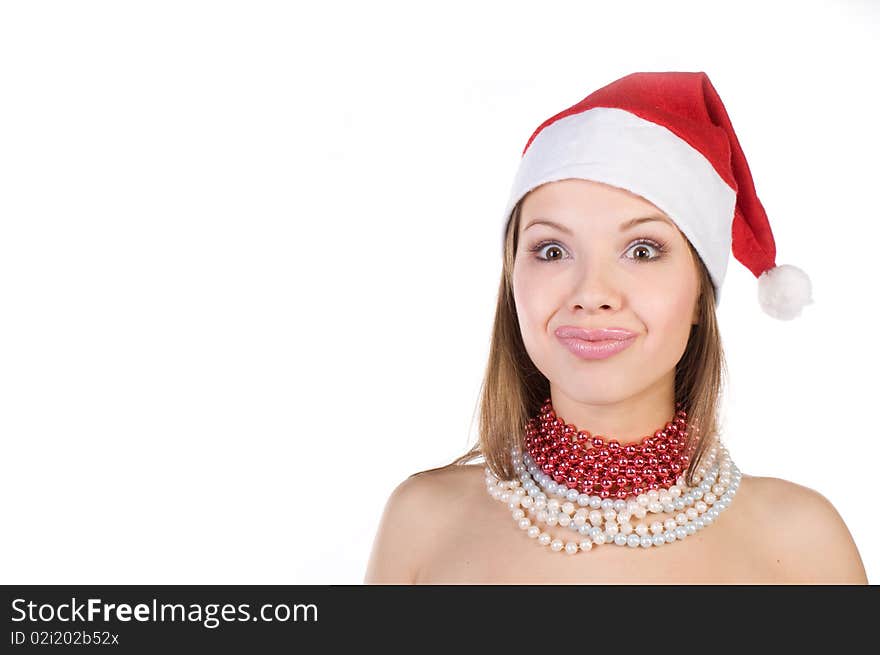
[666, 136]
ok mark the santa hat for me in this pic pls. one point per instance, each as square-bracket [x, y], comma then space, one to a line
[666, 136]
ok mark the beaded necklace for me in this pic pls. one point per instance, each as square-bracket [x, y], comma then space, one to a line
[593, 465]
[590, 492]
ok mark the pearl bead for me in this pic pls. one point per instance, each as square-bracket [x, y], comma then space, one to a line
[571, 548]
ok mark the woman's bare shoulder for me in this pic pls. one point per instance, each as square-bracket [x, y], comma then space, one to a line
[416, 513]
[805, 531]
[439, 487]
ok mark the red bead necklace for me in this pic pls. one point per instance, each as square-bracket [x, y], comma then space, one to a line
[605, 467]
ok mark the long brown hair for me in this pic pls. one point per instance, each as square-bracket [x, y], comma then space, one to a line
[513, 389]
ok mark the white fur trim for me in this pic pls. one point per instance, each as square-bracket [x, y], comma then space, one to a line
[617, 147]
[783, 291]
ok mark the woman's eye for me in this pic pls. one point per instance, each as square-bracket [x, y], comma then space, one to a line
[645, 246]
[553, 251]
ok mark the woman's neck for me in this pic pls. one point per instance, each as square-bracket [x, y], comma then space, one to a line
[627, 421]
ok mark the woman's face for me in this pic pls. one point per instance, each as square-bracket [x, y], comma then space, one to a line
[594, 271]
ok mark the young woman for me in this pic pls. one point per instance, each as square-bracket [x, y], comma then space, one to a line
[603, 460]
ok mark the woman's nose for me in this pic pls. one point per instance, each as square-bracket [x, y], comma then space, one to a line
[595, 286]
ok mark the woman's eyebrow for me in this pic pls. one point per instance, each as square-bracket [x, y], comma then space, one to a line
[623, 227]
[637, 221]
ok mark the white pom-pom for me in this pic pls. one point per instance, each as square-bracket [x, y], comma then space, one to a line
[783, 291]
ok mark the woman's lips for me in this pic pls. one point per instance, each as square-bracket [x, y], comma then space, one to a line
[596, 349]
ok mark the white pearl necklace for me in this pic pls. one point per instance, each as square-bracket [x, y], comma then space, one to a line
[608, 520]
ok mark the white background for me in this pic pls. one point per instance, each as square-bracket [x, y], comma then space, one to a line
[249, 255]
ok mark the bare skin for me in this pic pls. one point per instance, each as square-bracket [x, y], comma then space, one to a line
[449, 530]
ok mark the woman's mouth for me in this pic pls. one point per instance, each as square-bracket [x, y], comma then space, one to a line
[596, 349]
